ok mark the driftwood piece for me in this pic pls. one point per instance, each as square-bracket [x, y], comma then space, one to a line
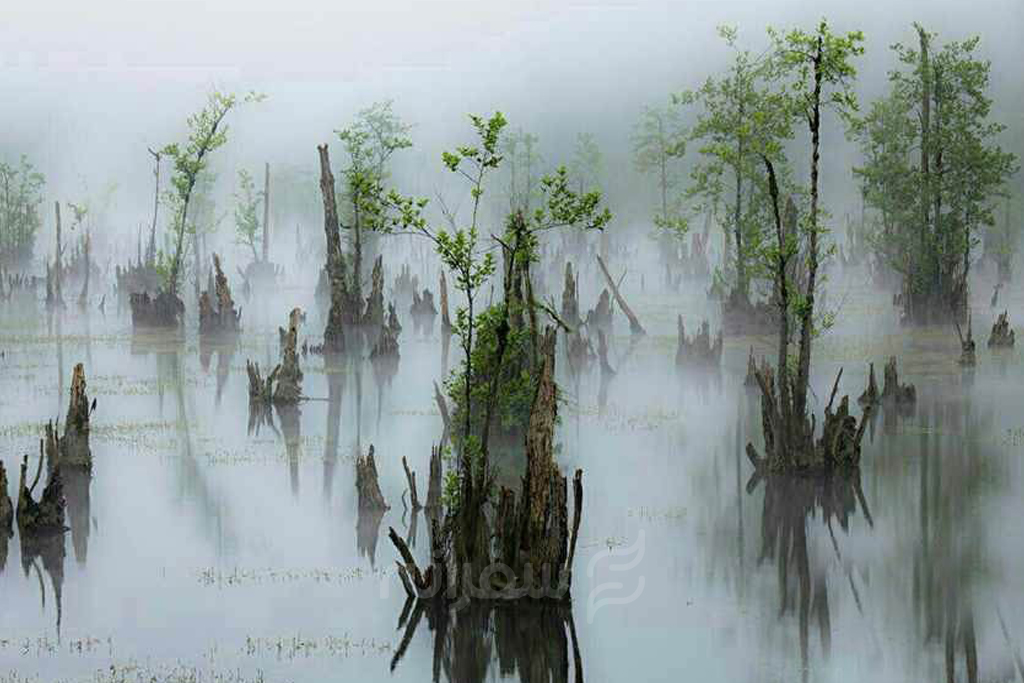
[1002, 336]
[699, 350]
[634, 323]
[367, 485]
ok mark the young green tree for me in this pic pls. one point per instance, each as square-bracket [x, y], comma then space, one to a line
[659, 142]
[738, 116]
[20, 198]
[207, 133]
[933, 210]
[587, 163]
[247, 202]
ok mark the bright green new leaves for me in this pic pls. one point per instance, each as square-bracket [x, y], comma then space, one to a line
[659, 143]
[247, 224]
[21, 193]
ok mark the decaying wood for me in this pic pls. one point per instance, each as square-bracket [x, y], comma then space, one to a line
[1001, 337]
[289, 377]
[334, 335]
[968, 357]
[570, 298]
[434, 482]
[72, 449]
[750, 381]
[600, 316]
[870, 397]
[634, 323]
[894, 392]
[442, 407]
[45, 516]
[602, 354]
[579, 351]
[6, 508]
[164, 310]
[699, 350]
[410, 478]
[367, 485]
[217, 312]
[373, 316]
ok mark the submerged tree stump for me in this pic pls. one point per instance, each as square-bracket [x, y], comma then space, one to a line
[373, 315]
[283, 386]
[6, 508]
[72, 449]
[570, 298]
[870, 397]
[600, 316]
[893, 392]
[164, 311]
[750, 381]
[367, 484]
[699, 350]
[217, 314]
[1001, 337]
[968, 355]
[45, 516]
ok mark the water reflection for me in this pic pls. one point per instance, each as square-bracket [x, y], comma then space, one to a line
[534, 643]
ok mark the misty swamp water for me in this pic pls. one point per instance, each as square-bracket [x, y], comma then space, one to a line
[199, 547]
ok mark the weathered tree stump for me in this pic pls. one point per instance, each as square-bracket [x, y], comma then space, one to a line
[870, 397]
[968, 355]
[6, 508]
[600, 316]
[750, 381]
[393, 324]
[410, 478]
[72, 450]
[164, 311]
[373, 315]
[217, 314]
[570, 298]
[446, 321]
[893, 392]
[434, 482]
[45, 516]
[579, 351]
[367, 485]
[1001, 337]
[337, 289]
[289, 377]
[699, 350]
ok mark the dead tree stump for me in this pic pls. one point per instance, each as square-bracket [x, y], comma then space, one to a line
[870, 397]
[6, 508]
[217, 312]
[699, 350]
[72, 450]
[600, 316]
[367, 485]
[1001, 337]
[289, 377]
[410, 478]
[968, 356]
[45, 516]
[570, 298]
[446, 321]
[893, 392]
[373, 315]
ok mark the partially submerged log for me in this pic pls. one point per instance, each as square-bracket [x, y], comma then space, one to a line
[699, 350]
[968, 357]
[634, 323]
[217, 314]
[367, 485]
[1001, 337]
[72, 450]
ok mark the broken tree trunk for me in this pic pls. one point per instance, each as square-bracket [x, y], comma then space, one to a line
[72, 449]
[410, 477]
[434, 484]
[46, 516]
[374, 312]
[1001, 337]
[870, 397]
[217, 312]
[570, 298]
[83, 298]
[289, 377]
[894, 392]
[367, 485]
[334, 335]
[634, 323]
[6, 508]
[968, 356]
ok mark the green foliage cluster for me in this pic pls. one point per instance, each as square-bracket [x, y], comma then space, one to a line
[247, 223]
[21, 188]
